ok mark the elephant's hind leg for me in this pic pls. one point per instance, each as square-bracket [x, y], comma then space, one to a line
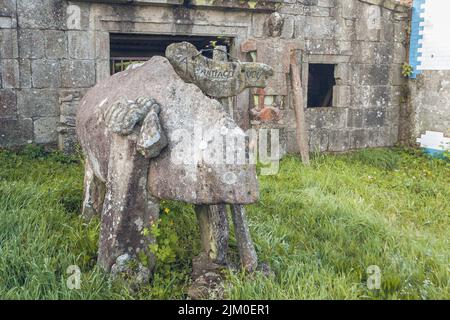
[94, 194]
[247, 253]
[214, 231]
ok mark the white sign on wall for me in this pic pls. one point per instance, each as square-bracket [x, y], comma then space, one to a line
[435, 36]
[433, 41]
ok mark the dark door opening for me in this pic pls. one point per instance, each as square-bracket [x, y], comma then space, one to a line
[320, 85]
[129, 48]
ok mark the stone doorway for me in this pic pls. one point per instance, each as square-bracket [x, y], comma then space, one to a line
[129, 48]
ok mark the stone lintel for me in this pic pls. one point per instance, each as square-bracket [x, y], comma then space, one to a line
[253, 5]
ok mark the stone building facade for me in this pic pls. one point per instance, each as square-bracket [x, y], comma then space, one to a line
[52, 51]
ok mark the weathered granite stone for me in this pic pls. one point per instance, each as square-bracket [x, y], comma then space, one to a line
[102, 70]
[7, 8]
[134, 183]
[342, 74]
[318, 140]
[8, 103]
[46, 73]
[67, 140]
[41, 14]
[45, 130]
[380, 96]
[68, 104]
[31, 43]
[55, 44]
[338, 140]
[77, 73]
[377, 137]
[355, 118]
[128, 268]
[369, 25]
[358, 139]
[216, 78]
[8, 44]
[371, 74]
[69, 101]
[207, 279]
[10, 73]
[152, 138]
[81, 44]
[15, 132]
[374, 117]
[122, 264]
[25, 73]
[275, 24]
[37, 102]
[341, 96]
[348, 9]
[328, 118]
[288, 27]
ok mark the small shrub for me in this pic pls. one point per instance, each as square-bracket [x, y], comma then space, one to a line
[33, 151]
[58, 156]
[407, 70]
[166, 247]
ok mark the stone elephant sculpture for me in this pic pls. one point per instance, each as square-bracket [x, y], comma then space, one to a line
[130, 128]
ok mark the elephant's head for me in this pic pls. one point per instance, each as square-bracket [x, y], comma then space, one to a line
[139, 117]
[216, 79]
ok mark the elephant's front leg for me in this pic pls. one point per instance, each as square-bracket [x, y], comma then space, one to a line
[128, 208]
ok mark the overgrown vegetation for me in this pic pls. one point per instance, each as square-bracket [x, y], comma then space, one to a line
[407, 70]
[318, 227]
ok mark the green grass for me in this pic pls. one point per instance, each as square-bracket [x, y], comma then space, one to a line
[318, 227]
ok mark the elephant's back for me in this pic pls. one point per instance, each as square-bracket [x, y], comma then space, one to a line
[92, 131]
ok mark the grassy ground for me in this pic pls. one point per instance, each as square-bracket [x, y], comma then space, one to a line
[318, 227]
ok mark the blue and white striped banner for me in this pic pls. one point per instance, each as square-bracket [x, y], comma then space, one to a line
[430, 36]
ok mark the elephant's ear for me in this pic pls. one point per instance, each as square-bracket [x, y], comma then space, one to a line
[123, 115]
